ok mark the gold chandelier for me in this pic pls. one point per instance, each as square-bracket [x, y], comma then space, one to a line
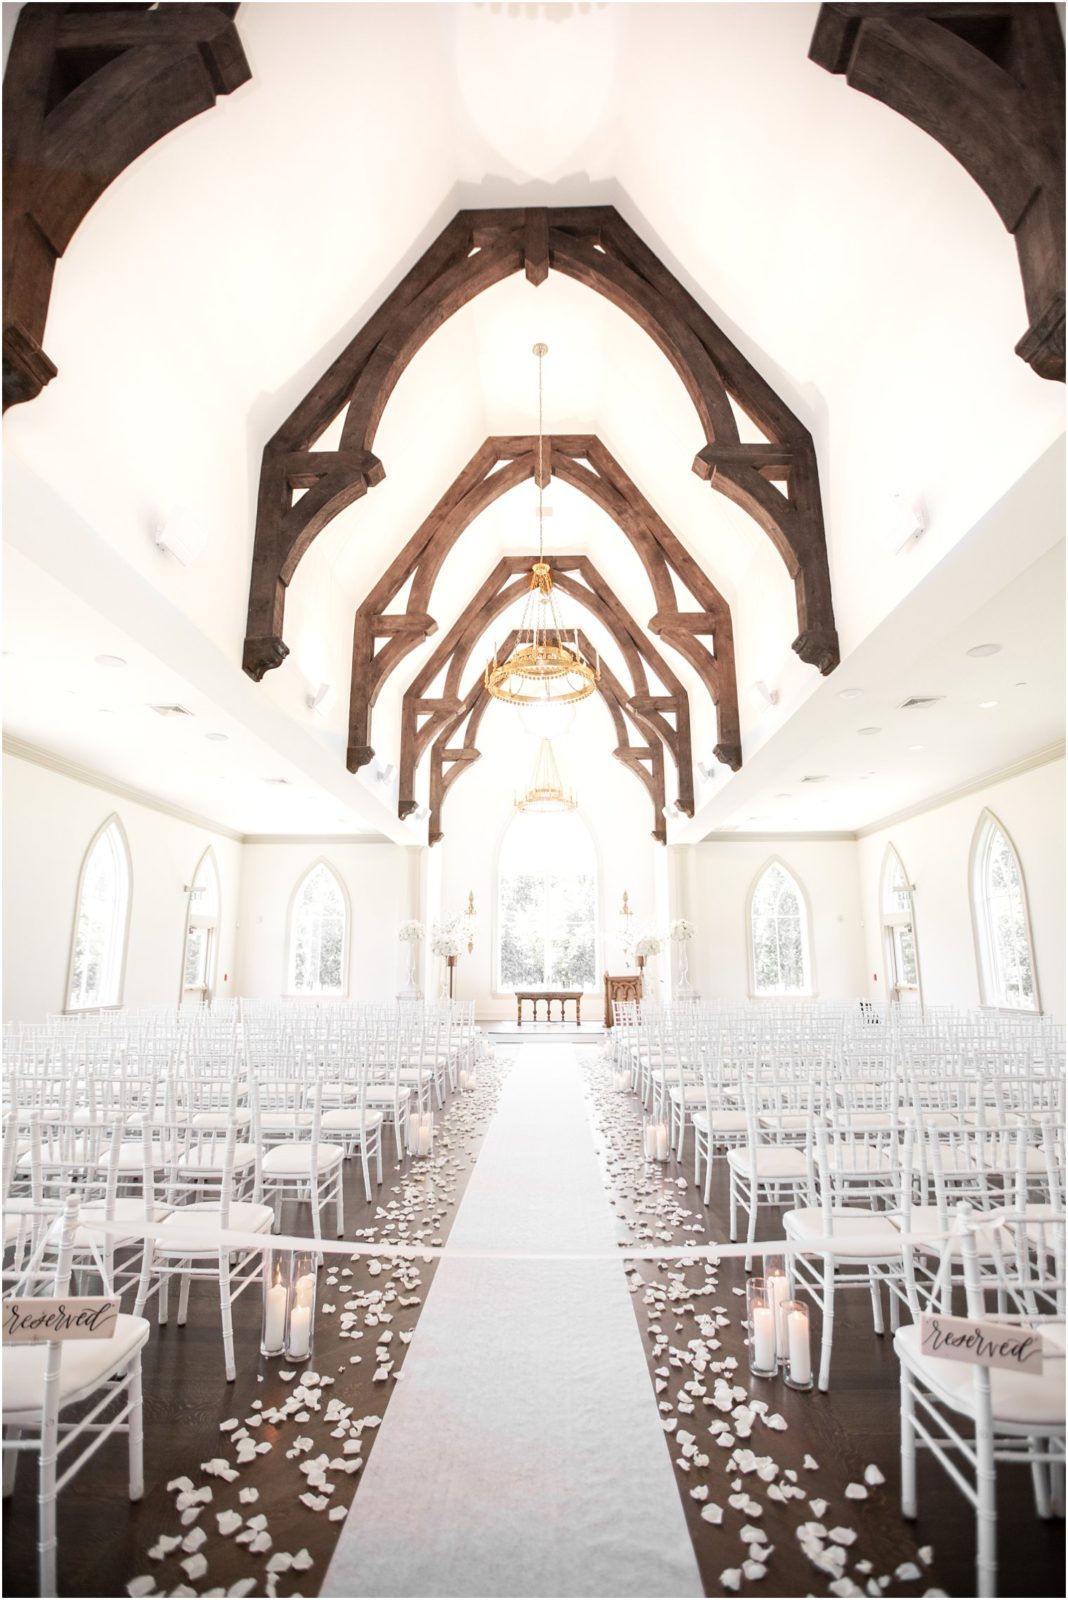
[546, 792]
[546, 667]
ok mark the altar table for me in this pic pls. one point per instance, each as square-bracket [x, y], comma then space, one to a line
[548, 995]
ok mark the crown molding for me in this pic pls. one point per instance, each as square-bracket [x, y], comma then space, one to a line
[729, 836]
[1039, 758]
[126, 791]
[319, 838]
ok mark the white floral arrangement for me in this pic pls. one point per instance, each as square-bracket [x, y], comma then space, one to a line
[410, 932]
[647, 945]
[444, 941]
[681, 931]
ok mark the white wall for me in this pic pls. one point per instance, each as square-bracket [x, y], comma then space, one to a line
[935, 849]
[377, 878]
[714, 880]
[49, 821]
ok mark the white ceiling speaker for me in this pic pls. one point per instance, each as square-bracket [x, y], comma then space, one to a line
[181, 536]
[904, 522]
[761, 697]
[384, 771]
[315, 700]
[708, 772]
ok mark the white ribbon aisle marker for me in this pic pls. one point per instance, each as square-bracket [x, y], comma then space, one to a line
[522, 1453]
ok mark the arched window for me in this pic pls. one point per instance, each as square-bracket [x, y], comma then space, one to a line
[899, 930]
[201, 931]
[778, 923]
[318, 933]
[546, 904]
[1002, 928]
[101, 921]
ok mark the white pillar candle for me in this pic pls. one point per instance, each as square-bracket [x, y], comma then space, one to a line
[762, 1334]
[299, 1333]
[274, 1321]
[661, 1141]
[777, 1296]
[800, 1357]
[650, 1142]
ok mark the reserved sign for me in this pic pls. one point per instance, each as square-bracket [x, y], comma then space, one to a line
[37, 1321]
[984, 1344]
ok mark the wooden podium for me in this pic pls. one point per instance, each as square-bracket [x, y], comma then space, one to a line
[620, 986]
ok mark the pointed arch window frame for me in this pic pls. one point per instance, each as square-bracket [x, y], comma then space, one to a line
[496, 920]
[987, 825]
[195, 919]
[888, 920]
[808, 958]
[120, 925]
[287, 987]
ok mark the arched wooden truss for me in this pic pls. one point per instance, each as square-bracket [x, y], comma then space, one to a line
[88, 88]
[662, 717]
[704, 637]
[776, 480]
[986, 81]
[448, 762]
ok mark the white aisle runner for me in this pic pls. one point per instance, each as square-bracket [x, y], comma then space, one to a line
[522, 1453]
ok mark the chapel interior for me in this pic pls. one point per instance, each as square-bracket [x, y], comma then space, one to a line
[533, 798]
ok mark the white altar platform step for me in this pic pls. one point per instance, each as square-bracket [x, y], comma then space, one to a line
[542, 1032]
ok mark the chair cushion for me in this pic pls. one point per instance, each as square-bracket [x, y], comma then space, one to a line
[193, 1230]
[771, 1160]
[722, 1121]
[848, 1227]
[132, 1210]
[209, 1157]
[926, 1220]
[84, 1365]
[349, 1121]
[295, 1160]
[1016, 1397]
[222, 1119]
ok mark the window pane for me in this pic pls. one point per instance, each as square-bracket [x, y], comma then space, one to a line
[547, 897]
[1005, 948]
[779, 935]
[318, 935]
[196, 949]
[100, 926]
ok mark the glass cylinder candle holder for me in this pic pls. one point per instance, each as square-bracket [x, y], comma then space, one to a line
[621, 1082]
[655, 1142]
[469, 1077]
[300, 1326]
[275, 1302]
[761, 1317]
[420, 1133]
[798, 1368]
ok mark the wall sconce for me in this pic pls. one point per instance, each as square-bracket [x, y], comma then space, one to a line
[470, 921]
[903, 522]
[181, 536]
[761, 697]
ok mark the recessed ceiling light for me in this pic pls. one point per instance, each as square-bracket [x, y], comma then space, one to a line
[106, 711]
[869, 730]
[217, 738]
[850, 694]
[784, 796]
[987, 705]
[276, 780]
[1022, 684]
[815, 777]
[983, 650]
[110, 661]
[916, 747]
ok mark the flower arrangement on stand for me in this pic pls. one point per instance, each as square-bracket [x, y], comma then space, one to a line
[681, 932]
[410, 934]
[446, 945]
[648, 945]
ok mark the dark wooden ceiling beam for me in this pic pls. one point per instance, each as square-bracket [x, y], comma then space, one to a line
[475, 251]
[704, 639]
[87, 90]
[987, 82]
[447, 764]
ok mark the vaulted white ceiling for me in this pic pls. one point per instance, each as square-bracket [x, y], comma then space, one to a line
[851, 259]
